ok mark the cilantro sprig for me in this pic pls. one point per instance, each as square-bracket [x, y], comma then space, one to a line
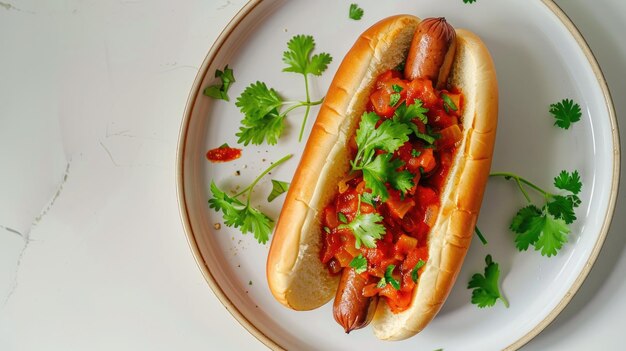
[366, 228]
[355, 12]
[242, 215]
[546, 227]
[378, 169]
[265, 110]
[221, 91]
[486, 291]
[565, 112]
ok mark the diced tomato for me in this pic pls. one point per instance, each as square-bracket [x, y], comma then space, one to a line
[439, 118]
[380, 102]
[405, 244]
[426, 196]
[348, 203]
[422, 89]
[399, 207]
[334, 267]
[419, 253]
[401, 302]
[449, 136]
[426, 160]
[332, 244]
[343, 257]
[370, 290]
[431, 214]
[390, 292]
[330, 217]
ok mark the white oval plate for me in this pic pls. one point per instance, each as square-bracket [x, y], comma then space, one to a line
[540, 59]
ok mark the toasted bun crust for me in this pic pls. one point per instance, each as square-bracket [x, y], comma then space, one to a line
[295, 274]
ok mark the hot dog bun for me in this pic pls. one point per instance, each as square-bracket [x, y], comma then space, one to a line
[296, 276]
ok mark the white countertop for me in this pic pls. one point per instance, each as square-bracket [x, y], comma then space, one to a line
[92, 250]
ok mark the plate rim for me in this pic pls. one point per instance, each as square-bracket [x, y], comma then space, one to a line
[196, 87]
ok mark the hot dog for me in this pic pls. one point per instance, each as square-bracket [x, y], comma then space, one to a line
[429, 57]
[432, 222]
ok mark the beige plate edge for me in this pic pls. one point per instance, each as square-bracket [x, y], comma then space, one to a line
[225, 300]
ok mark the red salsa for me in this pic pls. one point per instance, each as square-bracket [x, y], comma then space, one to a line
[406, 216]
[223, 154]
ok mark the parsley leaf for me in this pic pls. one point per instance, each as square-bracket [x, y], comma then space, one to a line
[355, 12]
[389, 277]
[221, 91]
[415, 269]
[469, 1]
[367, 228]
[566, 112]
[359, 264]
[239, 215]
[278, 187]
[486, 291]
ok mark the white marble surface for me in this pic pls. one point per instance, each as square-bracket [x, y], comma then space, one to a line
[92, 251]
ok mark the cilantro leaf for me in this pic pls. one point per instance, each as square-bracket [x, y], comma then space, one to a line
[367, 228]
[298, 57]
[355, 12]
[229, 206]
[486, 291]
[415, 269]
[382, 170]
[402, 181]
[278, 187]
[258, 223]
[553, 235]
[359, 264]
[238, 215]
[469, 1]
[405, 114]
[389, 277]
[394, 98]
[562, 207]
[368, 198]
[570, 182]
[262, 121]
[221, 91]
[389, 136]
[538, 228]
[566, 112]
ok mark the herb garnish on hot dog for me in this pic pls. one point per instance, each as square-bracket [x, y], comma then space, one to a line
[383, 205]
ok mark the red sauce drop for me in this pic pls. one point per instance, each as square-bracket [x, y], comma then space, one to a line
[223, 154]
